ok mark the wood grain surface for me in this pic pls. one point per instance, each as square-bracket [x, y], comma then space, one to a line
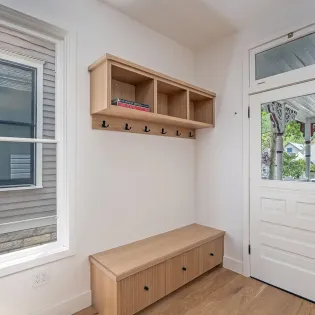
[223, 292]
[148, 72]
[127, 260]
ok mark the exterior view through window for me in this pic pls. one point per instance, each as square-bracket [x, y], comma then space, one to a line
[288, 139]
[28, 147]
[293, 55]
[17, 119]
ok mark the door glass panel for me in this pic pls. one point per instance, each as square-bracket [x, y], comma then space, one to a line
[288, 139]
[287, 57]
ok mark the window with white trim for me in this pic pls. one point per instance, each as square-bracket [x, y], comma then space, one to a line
[28, 146]
[285, 60]
[289, 56]
[36, 220]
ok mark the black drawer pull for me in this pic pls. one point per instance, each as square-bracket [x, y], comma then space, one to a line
[211, 254]
[146, 288]
[184, 269]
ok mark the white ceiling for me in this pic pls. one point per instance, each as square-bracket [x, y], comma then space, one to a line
[195, 23]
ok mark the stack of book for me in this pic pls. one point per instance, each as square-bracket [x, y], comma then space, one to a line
[129, 104]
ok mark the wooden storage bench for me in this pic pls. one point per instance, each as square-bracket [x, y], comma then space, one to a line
[129, 278]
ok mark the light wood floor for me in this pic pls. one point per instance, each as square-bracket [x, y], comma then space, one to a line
[223, 292]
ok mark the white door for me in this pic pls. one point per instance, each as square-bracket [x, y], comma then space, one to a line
[282, 211]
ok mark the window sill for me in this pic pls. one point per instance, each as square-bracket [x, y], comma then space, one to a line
[33, 257]
[18, 188]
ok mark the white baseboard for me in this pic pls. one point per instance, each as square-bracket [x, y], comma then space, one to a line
[83, 300]
[233, 264]
[70, 306]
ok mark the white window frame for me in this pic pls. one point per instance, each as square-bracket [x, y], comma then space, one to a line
[39, 66]
[65, 140]
[282, 79]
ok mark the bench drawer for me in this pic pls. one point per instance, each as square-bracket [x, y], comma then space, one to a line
[210, 255]
[142, 289]
[181, 270]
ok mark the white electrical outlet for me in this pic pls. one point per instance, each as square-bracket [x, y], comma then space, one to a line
[40, 279]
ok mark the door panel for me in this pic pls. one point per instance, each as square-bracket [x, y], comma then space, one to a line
[282, 210]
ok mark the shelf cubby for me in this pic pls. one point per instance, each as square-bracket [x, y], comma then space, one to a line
[132, 86]
[201, 108]
[171, 100]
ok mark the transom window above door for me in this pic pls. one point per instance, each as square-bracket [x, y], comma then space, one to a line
[290, 56]
[285, 60]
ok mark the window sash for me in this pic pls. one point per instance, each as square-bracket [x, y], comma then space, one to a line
[36, 123]
[282, 79]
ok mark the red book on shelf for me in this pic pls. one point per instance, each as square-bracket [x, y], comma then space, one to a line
[143, 109]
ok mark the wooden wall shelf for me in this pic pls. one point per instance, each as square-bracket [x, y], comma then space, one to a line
[173, 104]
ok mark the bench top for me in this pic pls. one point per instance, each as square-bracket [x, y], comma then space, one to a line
[129, 259]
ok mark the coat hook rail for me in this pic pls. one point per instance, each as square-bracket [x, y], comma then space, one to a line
[109, 123]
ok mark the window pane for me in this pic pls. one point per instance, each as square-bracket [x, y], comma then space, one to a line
[17, 164]
[287, 57]
[16, 131]
[17, 87]
[28, 217]
[288, 139]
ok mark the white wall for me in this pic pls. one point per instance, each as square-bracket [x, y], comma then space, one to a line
[128, 186]
[219, 156]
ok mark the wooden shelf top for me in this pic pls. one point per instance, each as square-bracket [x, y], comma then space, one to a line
[129, 259]
[133, 114]
[150, 72]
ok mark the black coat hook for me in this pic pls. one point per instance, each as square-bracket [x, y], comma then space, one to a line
[104, 124]
[127, 127]
[178, 134]
[191, 135]
[163, 132]
[146, 129]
